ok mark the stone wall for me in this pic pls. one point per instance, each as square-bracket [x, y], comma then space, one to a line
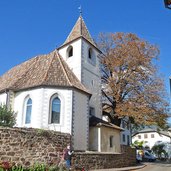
[92, 160]
[26, 146]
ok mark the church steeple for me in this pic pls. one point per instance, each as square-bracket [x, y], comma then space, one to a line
[82, 56]
[79, 30]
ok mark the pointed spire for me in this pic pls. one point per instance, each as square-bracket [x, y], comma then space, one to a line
[79, 30]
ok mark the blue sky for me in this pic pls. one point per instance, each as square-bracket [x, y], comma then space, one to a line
[32, 27]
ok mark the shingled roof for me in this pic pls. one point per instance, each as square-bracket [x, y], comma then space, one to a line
[79, 30]
[43, 70]
[94, 121]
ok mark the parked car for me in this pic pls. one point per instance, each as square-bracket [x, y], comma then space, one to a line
[147, 156]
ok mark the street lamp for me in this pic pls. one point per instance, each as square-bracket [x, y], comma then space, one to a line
[167, 4]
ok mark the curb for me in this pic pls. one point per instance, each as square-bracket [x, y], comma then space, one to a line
[122, 169]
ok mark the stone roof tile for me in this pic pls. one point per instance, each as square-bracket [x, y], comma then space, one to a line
[43, 70]
[79, 30]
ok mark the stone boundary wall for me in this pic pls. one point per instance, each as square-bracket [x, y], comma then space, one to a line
[92, 160]
[27, 146]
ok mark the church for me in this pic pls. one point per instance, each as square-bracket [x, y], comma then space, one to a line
[61, 91]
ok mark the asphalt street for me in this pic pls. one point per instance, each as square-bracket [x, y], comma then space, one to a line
[156, 166]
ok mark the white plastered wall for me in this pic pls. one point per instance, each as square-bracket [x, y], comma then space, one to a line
[93, 141]
[91, 77]
[149, 141]
[3, 98]
[100, 137]
[80, 126]
[87, 71]
[106, 132]
[74, 62]
[40, 108]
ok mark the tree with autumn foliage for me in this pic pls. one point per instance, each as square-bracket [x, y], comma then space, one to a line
[131, 85]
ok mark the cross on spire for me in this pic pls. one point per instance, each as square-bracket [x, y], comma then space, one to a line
[80, 10]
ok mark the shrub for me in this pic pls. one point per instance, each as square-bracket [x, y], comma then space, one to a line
[7, 116]
[8, 166]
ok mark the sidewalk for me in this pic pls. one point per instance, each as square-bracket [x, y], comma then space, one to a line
[140, 166]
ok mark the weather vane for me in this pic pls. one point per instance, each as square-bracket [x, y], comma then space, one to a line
[80, 9]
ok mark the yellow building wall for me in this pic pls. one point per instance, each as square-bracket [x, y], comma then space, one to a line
[106, 132]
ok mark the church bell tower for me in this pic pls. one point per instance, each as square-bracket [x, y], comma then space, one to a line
[82, 56]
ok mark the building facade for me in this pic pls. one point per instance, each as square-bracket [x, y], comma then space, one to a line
[150, 137]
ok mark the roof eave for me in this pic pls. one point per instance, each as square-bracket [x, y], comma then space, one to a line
[109, 126]
[150, 132]
[45, 85]
[6, 90]
[65, 44]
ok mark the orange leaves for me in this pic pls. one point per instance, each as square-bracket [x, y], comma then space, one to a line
[131, 81]
[168, 2]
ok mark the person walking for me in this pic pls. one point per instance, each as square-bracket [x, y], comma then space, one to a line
[67, 157]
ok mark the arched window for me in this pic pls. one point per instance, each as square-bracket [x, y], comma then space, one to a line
[90, 53]
[91, 56]
[28, 111]
[70, 51]
[55, 110]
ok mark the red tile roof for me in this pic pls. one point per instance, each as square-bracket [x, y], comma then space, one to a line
[79, 30]
[43, 70]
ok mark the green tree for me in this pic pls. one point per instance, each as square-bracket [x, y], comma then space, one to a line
[159, 151]
[7, 116]
[138, 144]
[132, 86]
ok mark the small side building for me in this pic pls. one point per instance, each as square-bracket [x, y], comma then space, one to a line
[108, 136]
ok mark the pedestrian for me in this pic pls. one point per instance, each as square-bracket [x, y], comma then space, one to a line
[67, 156]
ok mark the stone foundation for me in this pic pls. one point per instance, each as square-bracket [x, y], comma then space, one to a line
[92, 160]
[26, 146]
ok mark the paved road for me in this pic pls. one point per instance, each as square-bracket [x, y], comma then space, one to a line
[156, 166]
